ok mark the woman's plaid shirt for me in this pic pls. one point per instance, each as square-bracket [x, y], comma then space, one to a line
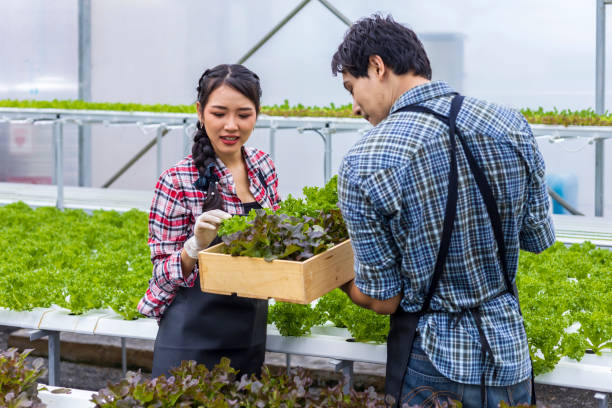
[175, 207]
[392, 190]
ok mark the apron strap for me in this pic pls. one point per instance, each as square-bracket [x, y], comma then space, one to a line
[451, 204]
[403, 325]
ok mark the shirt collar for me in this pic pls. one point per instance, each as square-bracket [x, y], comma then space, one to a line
[422, 93]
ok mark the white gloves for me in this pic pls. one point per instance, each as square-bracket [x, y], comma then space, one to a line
[204, 231]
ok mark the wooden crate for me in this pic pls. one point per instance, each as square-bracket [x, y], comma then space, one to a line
[287, 281]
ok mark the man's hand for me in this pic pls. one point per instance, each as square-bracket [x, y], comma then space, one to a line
[387, 306]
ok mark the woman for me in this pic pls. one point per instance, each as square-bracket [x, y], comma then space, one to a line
[220, 178]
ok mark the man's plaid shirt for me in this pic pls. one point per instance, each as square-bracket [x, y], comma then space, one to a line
[392, 190]
[175, 207]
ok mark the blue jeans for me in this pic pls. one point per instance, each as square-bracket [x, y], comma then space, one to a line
[424, 386]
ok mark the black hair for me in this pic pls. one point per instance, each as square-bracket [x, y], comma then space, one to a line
[242, 80]
[397, 45]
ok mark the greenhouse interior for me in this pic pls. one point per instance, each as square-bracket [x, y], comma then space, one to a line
[339, 203]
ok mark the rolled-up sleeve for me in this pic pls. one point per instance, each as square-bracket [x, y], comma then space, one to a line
[377, 271]
[537, 231]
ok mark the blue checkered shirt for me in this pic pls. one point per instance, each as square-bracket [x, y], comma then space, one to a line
[392, 190]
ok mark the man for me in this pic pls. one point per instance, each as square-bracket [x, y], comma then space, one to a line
[438, 198]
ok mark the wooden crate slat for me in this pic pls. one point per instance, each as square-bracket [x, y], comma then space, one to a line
[288, 281]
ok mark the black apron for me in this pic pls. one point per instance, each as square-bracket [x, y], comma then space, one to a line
[404, 324]
[205, 327]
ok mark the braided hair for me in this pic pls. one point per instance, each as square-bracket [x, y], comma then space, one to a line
[242, 80]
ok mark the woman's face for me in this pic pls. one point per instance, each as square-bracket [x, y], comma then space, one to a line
[229, 118]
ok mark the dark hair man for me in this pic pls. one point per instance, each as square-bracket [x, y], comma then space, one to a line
[438, 198]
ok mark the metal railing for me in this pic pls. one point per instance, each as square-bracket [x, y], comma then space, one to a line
[325, 127]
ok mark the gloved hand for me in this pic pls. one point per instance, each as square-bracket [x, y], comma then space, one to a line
[204, 231]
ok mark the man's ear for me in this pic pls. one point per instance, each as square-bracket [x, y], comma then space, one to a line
[377, 66]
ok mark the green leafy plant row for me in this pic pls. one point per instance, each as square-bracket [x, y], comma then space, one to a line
[566, 117]
[275, 110]
[72, 259]
[585, 117]
[297, 320]
[82, 262]
[566, 299]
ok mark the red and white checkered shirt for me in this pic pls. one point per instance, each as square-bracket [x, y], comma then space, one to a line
[175, 207]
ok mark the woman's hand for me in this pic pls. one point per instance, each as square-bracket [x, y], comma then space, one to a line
[204, 231]
[207, 225]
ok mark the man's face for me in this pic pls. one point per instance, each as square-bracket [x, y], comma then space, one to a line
[368, 95]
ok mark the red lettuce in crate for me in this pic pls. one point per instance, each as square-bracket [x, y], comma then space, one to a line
[272, 235]
[300, 229]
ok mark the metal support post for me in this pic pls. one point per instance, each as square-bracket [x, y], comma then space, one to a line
[600, 56]
[58, 161]
[328, 153]
[288, 362]
[54, 357]
[272, 139]
[187, 139]
[123, 356]
[600, 75]
[325, 134]
[346, 366]
[161, 131]
[53, 338]
[85, 155]
[84, 90]
[602, 400]
[599, 177]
